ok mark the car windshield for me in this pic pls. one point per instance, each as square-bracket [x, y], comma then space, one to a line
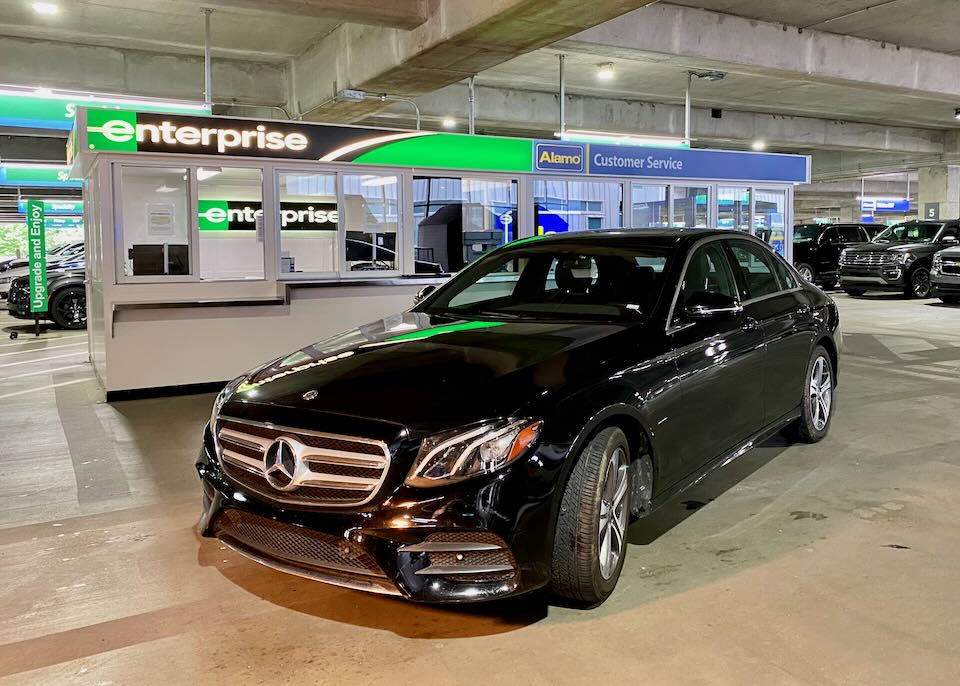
[557, 282]
[803, 233]
[913, 232]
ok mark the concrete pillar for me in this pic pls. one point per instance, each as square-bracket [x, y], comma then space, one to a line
[939, 189]
[850, 212]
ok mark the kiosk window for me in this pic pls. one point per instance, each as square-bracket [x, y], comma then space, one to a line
[460, 219]
[155, 221]
[230, 218]
[561, 206]
[733, 208]
[650, 209]
[371, 216]
[308, 221]
[690, 205]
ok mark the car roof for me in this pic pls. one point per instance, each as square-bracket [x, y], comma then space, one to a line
[628, 236]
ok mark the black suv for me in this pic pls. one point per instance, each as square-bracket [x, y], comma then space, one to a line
[945, 276]
[898, 259]
[817, 248]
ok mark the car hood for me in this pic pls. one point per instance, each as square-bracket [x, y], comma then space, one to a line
[892, 247]
[429, 374]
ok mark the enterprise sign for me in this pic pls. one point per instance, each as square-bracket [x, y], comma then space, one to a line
[242, 215]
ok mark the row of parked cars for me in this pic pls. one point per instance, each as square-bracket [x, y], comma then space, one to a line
[67, 303]
[919, 258]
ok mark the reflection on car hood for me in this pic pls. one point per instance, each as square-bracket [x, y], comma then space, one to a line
[431, 373]
[888, 247]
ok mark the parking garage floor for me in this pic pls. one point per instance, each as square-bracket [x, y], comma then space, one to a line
[827, 564]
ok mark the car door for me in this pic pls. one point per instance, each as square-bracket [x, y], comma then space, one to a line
[828, 253]
[784, 312]
[719, 360]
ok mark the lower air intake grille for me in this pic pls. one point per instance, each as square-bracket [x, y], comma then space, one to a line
[294, 544]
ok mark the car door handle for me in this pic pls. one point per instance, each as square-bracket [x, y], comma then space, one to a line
[750, 324]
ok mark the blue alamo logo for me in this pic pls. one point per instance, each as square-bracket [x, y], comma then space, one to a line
[553, 157]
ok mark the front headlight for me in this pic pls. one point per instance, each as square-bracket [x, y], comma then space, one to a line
[937, 263]
[465, 453]
[903, 258]
[218, 405]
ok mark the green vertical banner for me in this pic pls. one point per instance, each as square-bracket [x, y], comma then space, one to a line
[37, 255]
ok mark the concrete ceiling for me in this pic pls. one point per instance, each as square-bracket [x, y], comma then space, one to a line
[247, 29]
[927, 24]
[660, 78]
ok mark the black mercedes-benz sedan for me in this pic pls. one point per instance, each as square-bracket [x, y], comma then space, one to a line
[500, 436]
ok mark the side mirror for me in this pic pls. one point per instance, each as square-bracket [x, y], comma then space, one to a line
[423, 293]
[704, 305]
[949, 240]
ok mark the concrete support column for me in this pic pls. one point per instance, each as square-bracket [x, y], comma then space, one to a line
[850, 212]
[939, 187]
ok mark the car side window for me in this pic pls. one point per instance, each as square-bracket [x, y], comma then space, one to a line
[950, 231]
[787, 279]
[708, 271]
[850, 234]
[756, 267]
[830, 237]
[864, 235]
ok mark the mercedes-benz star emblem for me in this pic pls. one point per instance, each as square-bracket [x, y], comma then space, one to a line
[310, 395]
[280, 465]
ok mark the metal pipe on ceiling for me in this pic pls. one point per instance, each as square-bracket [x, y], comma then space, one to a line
[686, 107]
[207, 61]
[472, 113]
[563, 93]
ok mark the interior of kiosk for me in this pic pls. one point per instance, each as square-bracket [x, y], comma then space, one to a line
[214, 244]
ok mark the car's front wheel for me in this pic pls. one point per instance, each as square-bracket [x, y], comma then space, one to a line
[806, 271]
[591, 535]
[816, 409]
[68, 308]
[918, 283]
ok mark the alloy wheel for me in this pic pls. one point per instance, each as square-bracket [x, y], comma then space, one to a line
[613, 513]
[72, 308]
[806, 273]
[920, 282]
[821, 393]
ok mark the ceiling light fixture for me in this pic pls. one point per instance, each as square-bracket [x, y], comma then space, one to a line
[614, 138]
[448, 123]
[47, 8]
[374, 181]
[605, 71]
[759, 145]
[204, 173]
[709, 75]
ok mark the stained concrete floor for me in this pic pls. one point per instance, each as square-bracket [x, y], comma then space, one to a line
[837, 563]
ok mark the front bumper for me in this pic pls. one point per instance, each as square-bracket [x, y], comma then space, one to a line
[21, 310]
[480, 540]
[885, 278]
[944, 284]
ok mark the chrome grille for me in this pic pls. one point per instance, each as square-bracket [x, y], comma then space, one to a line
[330, 469]
[867, 259]
[950, 265]
[303, 547]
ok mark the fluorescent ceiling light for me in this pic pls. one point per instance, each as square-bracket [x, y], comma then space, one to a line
[613, 138]
[448, 122]
[759, 145]
[605, 71]
[47, 8]
[31, 165]
[76, 96]
[204, 173]
[378, 181]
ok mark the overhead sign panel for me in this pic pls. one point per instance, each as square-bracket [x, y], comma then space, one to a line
[37, 176]
[55, 207]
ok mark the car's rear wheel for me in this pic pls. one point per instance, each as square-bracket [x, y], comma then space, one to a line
[816, 410]
[591, 536]
[68, 308]
[918, 283]
[855, 292]
[806, 271]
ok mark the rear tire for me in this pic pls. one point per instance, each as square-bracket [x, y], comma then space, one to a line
[816, 408]
[855, 292]
[68, 308]
[590, 541]
[806, 271]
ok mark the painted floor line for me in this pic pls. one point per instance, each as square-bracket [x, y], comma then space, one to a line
[33, 339]
[40, 350]
[52, 370]
[43, 359]
[43, 388]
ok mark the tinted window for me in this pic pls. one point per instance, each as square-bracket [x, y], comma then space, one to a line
[803, 233]
[787, 279]
[850, 234]
[830, 236]
[707, 272]
[950, 231]
[755, 263]
[557, 282]
[911, 232]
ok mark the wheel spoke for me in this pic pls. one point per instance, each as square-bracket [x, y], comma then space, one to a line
[621, 491]
[605, 542]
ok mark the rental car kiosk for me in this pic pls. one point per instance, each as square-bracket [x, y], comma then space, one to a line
[215, 244]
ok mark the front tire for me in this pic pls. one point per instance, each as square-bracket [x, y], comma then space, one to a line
[816, 409]
[591, 535]
[918, 283]
[806, 271]
[68, 308]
